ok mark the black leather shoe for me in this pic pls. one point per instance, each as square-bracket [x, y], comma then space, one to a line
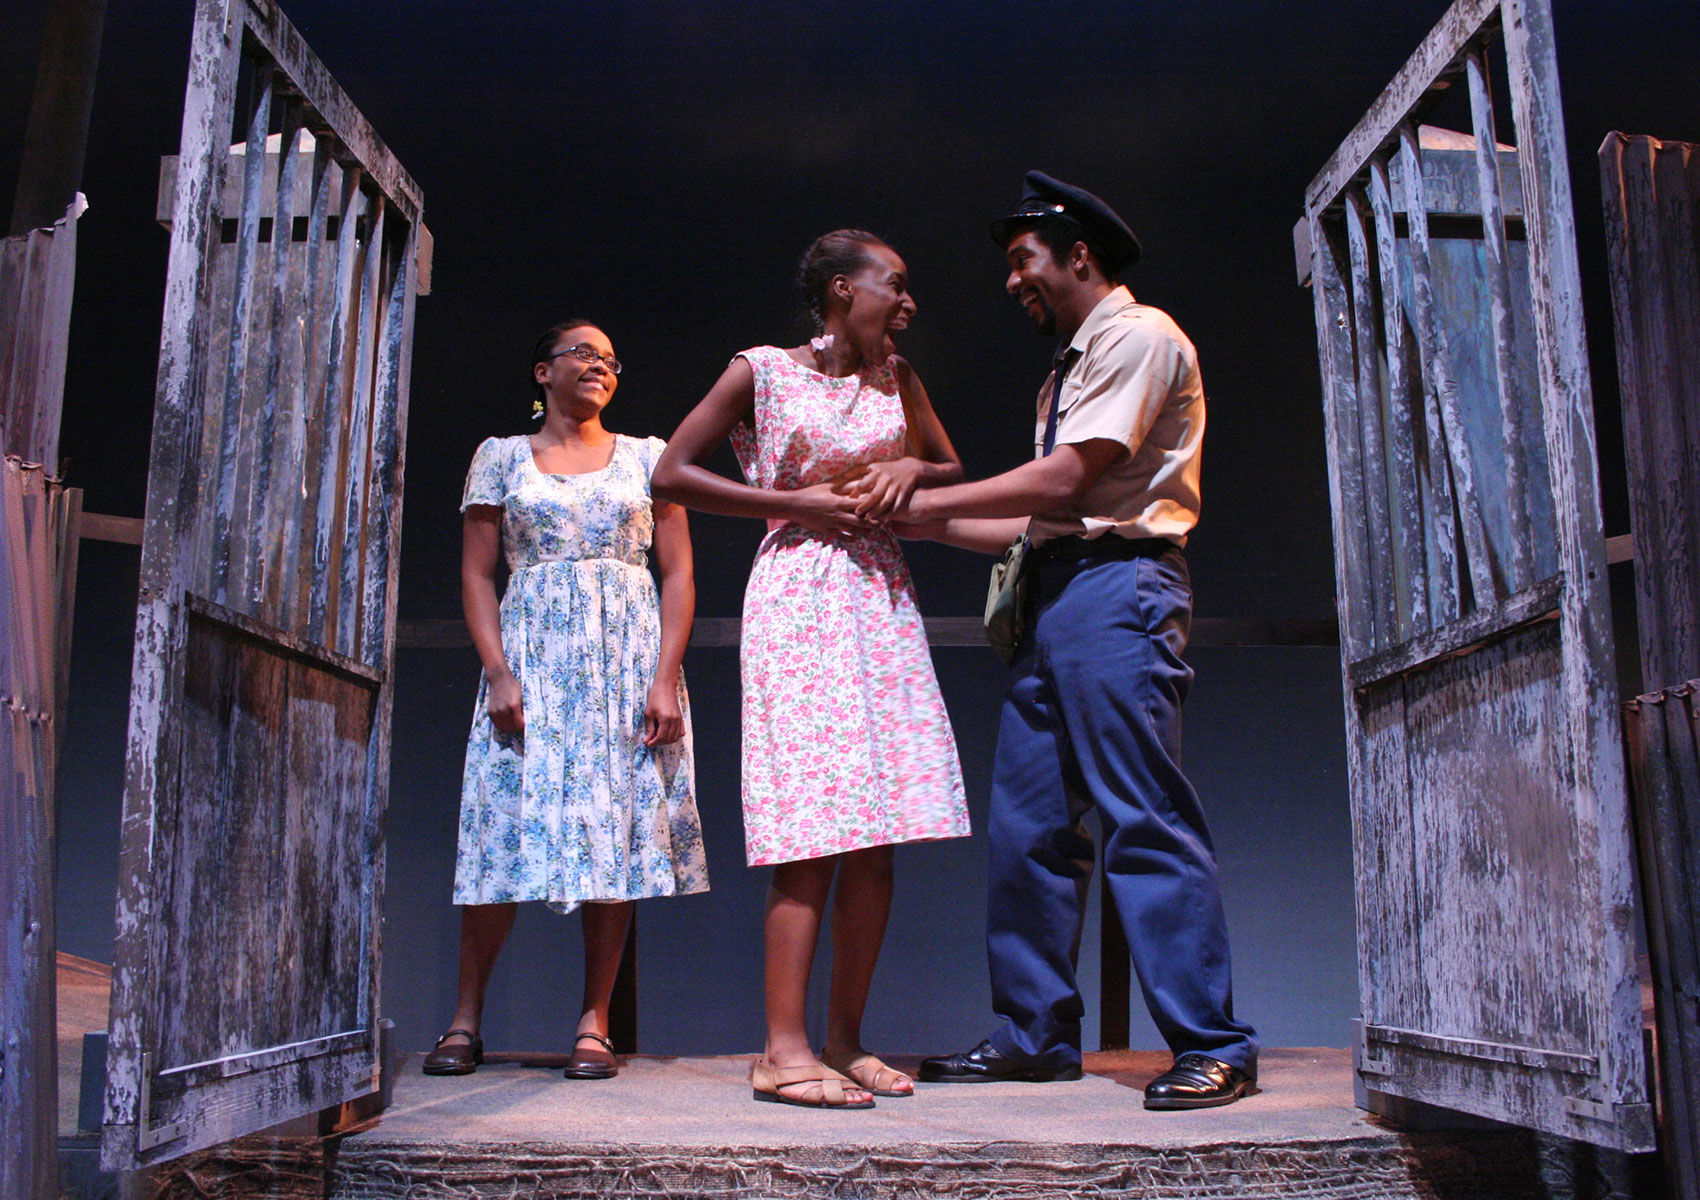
[1198, 1081]
[983, 1064]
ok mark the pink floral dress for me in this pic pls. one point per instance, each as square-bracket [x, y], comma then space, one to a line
[846, 740]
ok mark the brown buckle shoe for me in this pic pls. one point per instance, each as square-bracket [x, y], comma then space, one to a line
[593, 1063]
[460, 1059]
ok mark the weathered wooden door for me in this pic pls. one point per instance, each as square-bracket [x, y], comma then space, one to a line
[245, 987]
[1494, 870]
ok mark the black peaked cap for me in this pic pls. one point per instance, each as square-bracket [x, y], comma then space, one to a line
[1045, 196]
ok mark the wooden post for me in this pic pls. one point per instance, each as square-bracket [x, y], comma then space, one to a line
[58, 130]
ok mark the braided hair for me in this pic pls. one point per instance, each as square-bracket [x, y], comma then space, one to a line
[841, 252]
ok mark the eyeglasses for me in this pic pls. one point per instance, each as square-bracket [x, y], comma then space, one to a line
[585, 352]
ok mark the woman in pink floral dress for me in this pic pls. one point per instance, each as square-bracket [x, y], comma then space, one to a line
[847, 746]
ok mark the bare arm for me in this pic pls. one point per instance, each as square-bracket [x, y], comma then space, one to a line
[680, 477]
[1040, 486]
[480, 551]
[663, 721]
[884, 487]
[984, 535]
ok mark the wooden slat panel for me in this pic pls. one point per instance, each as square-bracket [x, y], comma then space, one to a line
[1538, 603]
[1442, 386]
[1345, 476]
[254, 790]
[331, 106]
[1511, 401]
[333, 414]
[283, 319]
[174, 485]
[1410, 562]
[241, 317]
[1664, 747]
[1652, 193]
[1370, 404]
[1485, 749]
[1390, 947]
[1400, 101]
[256, 905]
[350, 575]
[382, 535]
[301, 533]
[1589, 727]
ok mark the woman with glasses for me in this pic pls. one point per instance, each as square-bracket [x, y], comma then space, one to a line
[579, 785]
[847, 746]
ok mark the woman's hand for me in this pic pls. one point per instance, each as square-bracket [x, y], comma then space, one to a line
[506, 705]
[663, 722]
[883, 488]
[824, 510]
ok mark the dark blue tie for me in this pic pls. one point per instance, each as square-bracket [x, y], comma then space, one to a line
[1063, 364]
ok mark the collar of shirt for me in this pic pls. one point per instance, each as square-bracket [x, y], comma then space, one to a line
[1101, 315]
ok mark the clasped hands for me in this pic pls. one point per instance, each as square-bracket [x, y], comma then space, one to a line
[860, 499]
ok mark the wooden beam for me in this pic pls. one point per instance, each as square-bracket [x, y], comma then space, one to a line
[56, 138]
[1417, 82]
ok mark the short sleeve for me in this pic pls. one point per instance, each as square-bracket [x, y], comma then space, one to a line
[1122, 393]
[486, 480]
[652, 448]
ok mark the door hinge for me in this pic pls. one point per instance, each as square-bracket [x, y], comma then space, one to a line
[147, 1137]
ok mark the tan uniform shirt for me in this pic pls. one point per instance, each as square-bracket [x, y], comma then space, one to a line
[1134, 381]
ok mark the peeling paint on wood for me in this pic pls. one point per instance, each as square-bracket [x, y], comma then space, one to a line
[1489, 811]
[1652, 204]
[245, 983]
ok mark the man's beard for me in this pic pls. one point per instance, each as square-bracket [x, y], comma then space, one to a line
[1047, 318]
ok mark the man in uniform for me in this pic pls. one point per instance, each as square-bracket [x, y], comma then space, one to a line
[1092, 712]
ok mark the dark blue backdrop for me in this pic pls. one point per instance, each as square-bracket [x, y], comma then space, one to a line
[658, 166]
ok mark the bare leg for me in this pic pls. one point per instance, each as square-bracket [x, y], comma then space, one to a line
[860, 910]
[796, 901]
[605, 928]
[484, 928]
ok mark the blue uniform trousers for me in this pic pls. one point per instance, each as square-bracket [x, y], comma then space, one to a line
[1092, 717]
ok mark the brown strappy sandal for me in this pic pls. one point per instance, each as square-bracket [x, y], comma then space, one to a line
[765, 1082]
[869, 1073]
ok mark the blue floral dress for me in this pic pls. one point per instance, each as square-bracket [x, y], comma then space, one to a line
[576, 808]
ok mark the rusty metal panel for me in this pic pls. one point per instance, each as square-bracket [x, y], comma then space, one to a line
[1494, 865]
[37, 274]
[245, 986]
[37, 582]
[38, 557]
